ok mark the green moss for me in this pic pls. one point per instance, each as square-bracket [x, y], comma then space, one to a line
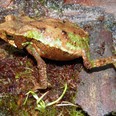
[9, 107]
[74, 112]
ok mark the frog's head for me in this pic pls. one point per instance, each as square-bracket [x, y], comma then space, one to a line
[7, 38]
[9, 32]
[14, 40]
[4, 31]
[3, 35]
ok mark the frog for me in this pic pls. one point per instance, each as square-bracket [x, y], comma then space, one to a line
[50, 38]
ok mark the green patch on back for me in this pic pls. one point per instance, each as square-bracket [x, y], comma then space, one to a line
[77, 42]
[72, 47]
[34, 34]
[74, 38]
[56, 42]
[45, 40]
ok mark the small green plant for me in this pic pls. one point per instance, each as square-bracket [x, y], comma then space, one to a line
[74, 112]
[41, 105]
[26, 72]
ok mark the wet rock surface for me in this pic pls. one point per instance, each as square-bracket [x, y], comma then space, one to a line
[97, 92]
[108, 5]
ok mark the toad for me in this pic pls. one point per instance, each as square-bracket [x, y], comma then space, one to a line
[50, 38]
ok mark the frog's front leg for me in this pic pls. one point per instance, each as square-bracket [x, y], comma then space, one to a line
[35, 52]
[98, 62]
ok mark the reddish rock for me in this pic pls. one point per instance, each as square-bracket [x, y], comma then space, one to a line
[73, 1]
[97, 92]
[83, 2]
[108, 5]
[5, 3]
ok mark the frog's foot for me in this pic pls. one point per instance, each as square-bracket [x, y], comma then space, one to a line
[99, 62]
[38, 86]
[102, 62]
[43, 75]
[105, 61]
[34, 51]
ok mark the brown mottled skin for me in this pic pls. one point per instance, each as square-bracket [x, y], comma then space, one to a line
[50, 38]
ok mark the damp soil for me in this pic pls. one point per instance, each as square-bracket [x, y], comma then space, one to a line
[18, 73]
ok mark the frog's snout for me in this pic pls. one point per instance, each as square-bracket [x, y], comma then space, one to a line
[3, 35]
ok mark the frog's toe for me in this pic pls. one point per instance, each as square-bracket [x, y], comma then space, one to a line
[38, 86]
[49, 85]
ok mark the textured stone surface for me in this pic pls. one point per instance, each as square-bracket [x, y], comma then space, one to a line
[5, 3]
[97, 92]
[108, 5]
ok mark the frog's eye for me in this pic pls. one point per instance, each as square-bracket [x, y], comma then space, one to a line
[64, 32]
[10, 40]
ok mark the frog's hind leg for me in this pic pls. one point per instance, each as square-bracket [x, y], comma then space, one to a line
[104, 61]
[35, 52]
[88, 63]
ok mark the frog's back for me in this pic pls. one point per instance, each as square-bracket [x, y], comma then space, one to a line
[58, 36]
[61, 34]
